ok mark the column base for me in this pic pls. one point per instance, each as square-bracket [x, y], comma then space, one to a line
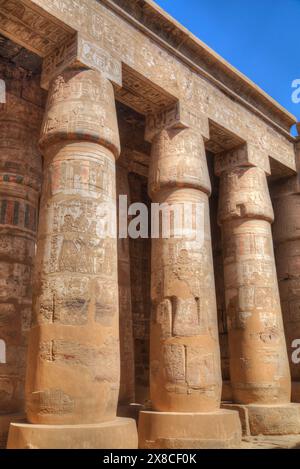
[5, 421]
[282, 419]
[120, 433]
[174, 430]
[295, 391]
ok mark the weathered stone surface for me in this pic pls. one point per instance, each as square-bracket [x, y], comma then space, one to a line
[219, 282]
[271, 442]
[20, 181]
[140, 272]
[171, 73]
[181, 111]
[185, 373]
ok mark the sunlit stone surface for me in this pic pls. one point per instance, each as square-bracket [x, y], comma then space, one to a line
[197, 334]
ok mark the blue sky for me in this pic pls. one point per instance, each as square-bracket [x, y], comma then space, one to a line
[259, 37]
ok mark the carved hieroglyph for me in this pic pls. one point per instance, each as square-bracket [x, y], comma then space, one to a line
[20, 179]
[73, 376]
[286, 232]
[127, 383]
[185, 358]
[258, 358]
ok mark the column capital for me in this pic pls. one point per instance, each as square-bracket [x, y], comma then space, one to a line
[177, 116]
[81, 107]
[81, 52]
[243, 155]
[244, 194]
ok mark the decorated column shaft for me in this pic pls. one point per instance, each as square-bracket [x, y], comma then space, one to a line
[20, 180]
[258, 359]
[286, 231]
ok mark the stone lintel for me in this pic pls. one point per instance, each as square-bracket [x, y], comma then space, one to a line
[79, 51]
[177, 116]
[244, 155]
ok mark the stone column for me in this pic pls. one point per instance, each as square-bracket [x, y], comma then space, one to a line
[20, 180]
[127, 384]
[259, 368]
[286, 231]
[73, 376]
[185, 373]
